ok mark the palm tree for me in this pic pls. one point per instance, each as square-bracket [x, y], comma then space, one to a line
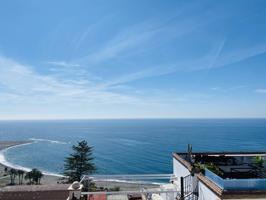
[20, 176]
[40, 175]
[13, 174]
[34, 176]
[6, 170]
[37, 176]
[29, 177]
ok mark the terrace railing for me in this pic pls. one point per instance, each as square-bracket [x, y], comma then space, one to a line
[145, 185]
[236, 184]
[189, 188]
[166, 194]
[134, 177]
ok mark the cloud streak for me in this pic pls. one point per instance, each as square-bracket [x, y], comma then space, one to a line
[141, 36]
[261, 91]
[209, 61]
[21, 82]
[240, 54]
[62, 64]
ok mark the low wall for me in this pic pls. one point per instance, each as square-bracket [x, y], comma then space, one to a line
[42, 195]
[36, 193]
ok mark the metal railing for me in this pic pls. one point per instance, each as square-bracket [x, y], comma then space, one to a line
[143, 184]
[147, 193]
[188, 188]
[129, 177]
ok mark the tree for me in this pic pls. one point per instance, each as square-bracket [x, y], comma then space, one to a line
[20, 176]
[80, 162]
[29, 177]
[6, 170]
[13, 174]
[34, 176]
[37, 175]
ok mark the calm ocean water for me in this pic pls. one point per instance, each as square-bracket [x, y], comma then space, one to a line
[128, 146]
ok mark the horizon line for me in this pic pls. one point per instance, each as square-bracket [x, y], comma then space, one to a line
[132, 118]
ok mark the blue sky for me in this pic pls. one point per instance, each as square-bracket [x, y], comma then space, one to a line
[132, 59]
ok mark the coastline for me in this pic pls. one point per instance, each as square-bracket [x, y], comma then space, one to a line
[6, 145]
[47, 179]
[52, 179]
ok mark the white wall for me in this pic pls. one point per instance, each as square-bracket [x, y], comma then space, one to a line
[205, 193]
[179, 171]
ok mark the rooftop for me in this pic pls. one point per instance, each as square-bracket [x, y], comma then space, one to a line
[229, 165]
[228, 172]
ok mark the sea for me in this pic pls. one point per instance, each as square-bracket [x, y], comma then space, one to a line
[136, 146]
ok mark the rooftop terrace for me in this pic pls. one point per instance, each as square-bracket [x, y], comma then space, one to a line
[230, 170]
[230, 165]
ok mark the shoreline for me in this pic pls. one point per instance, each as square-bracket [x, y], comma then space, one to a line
[50, 178]
[47, 179]
[6, 145]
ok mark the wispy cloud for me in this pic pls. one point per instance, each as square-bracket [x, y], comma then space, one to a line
[142, 74]
[62, 64]
[217, 53]
[141, 37]
[240, 54]
[229, 89]
[24, 83]
[122, 42]
[261, 90]
[211, 60]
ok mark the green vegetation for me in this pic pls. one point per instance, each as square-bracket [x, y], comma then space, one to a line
[200, 168]
[80, 162]
[34, 177]
[20, 176]
[90, 186]
[12, 174]
[259, 161]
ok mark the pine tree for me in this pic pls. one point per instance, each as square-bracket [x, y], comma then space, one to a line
[80, 162]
